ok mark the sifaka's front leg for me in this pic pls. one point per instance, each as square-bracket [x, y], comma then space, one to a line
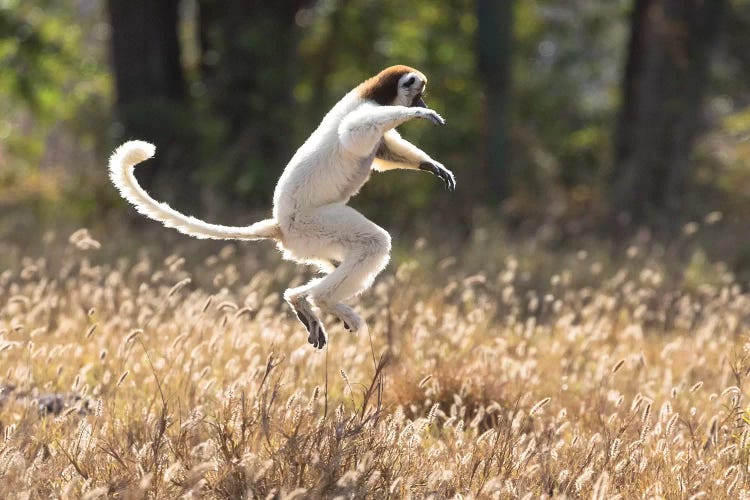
[361, 130]
[395, 152]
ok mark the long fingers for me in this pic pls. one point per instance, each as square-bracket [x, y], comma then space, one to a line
[440, 172]
[431, 115]
[315, 333]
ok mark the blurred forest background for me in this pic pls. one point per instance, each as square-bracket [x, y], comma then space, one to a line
[567, 119]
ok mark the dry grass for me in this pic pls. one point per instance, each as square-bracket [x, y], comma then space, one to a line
[189, 377]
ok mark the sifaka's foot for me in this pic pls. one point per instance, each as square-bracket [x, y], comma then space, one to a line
[346, 315]
[315, 333]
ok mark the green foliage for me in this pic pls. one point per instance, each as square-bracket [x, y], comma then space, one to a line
[57, 124]
[567, 64]
[54, 97]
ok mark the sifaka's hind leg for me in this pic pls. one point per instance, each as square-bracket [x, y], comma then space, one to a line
[365, 254]
[341, 233]
[296, 298]
[342, 312]
[364, 259]
[315, 333]
[352, 321]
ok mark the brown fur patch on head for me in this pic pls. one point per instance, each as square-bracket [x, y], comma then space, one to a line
[383, 87]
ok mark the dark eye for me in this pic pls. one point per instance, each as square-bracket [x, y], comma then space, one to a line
[408, 82]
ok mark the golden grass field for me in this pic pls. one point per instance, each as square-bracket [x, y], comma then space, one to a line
[481, 377]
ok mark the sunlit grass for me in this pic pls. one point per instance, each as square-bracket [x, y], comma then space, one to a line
[180, 375]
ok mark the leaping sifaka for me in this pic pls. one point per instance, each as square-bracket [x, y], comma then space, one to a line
[311, 222]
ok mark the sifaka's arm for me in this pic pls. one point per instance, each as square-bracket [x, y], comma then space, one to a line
[362, 129]
[395, 152]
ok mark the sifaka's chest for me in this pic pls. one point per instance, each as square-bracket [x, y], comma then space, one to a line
[356, 172]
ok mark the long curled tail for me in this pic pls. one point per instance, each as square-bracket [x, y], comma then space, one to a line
[121, 165]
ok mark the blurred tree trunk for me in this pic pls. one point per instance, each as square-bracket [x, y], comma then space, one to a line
[146, 49]
[248, 68]
[149, 80]
[663, 88]
[327, 57]
[494, 46]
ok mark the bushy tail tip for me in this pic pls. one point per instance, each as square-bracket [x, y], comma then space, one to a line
[133, 152]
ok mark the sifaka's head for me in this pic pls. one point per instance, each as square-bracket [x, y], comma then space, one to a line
[395, 86]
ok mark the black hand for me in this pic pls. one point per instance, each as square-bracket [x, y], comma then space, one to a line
[441, 172]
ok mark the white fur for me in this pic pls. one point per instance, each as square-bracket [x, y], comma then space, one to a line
[311, 220]
[121, 165]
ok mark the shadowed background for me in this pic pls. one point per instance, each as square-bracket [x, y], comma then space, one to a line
[565, 118]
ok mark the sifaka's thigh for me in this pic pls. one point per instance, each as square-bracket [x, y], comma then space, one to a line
[330, 232]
